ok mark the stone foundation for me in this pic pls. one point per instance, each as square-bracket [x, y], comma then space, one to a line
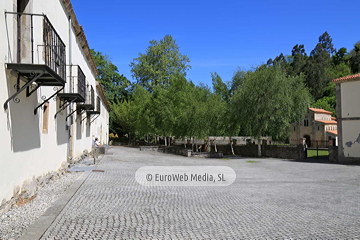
[30, 186]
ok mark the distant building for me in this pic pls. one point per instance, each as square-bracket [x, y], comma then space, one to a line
[52, 106]
[317, 127]
[348, 112]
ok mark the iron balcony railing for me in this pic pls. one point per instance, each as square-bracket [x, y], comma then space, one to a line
[98, 104]
[90, 97]
[77, 81]
[81, 83]
[36, 41]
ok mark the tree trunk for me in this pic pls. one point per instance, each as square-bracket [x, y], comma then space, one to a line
[232, 149]
[192, 145]
[215, 145]
[155, 139]
[259, 147]
[208, 146]
[165, 140]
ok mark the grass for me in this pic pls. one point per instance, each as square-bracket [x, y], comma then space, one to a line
[226, 158]
[322, 153]
[252, 161]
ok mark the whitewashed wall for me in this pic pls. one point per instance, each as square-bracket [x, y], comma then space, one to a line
[350, 108]
[27, 152]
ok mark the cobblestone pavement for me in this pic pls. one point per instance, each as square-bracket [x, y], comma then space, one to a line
[270, 199]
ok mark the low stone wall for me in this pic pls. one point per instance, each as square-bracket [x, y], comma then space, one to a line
[287, 152]
[118, 141]
[274, 151]
[243, 150]
[207, 154]
[175, 150]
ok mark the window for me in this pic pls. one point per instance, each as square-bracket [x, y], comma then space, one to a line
[306, 122]
[318, 128]
[45, 118]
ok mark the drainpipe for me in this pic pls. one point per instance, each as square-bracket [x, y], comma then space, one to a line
[69, 123]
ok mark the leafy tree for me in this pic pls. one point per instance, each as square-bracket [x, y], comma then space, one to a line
[161, 60]
[355, 58]
[340, 57]
[268, 100]
[299, 59]
[115, 86]
[220, 88]
[326, 43]
[315, 70]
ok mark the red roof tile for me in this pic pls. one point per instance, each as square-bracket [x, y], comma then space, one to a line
[318, 110]
[332, 131]
[346, 78]
[333, 118]
[327, 121]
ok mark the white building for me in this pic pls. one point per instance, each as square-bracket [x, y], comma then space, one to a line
[52, 105]
[348, 113]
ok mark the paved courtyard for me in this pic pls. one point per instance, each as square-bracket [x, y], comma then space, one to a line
[270, 199]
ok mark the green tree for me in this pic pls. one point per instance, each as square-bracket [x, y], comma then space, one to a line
[161, 60]
[355, 58]
[315, 70]
[340, 57]
[115, 86]
[299, 59]
[268, 101]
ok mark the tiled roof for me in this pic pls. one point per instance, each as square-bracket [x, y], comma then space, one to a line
[333, 118]
[332, 131]
[354, 77]
[327, 121]
[318, 110]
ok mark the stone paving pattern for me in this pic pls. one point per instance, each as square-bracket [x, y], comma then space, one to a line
[270, 199]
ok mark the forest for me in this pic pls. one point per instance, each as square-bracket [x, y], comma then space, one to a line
[263, 101]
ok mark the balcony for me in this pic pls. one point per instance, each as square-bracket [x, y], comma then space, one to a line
[35, 51]
[77, 88]
[96, 111]
[89, 103]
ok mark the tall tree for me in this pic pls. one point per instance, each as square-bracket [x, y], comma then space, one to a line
[220, 88]
[299, 59]
[355, 58]
[326, 43]
[161, 60]
[340, 56]
[115, 86]
[268, 101]
[315, 69]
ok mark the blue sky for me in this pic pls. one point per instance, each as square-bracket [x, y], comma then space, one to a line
[217, 36]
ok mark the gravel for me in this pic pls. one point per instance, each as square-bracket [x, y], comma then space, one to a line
[15, 222]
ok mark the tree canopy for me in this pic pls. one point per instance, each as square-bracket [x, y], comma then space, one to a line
[262, 101]
[161, 60]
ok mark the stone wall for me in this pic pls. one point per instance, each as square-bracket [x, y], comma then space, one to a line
[275, 151]
[284, 151]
